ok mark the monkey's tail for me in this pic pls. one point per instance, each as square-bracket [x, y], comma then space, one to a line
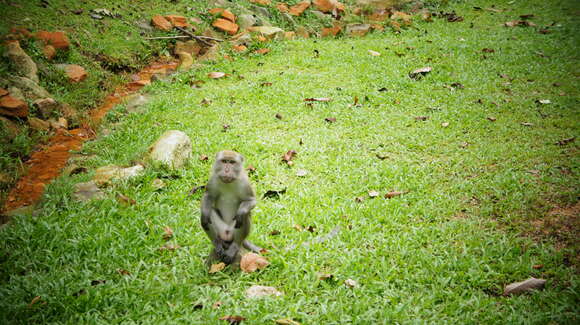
[250, 246]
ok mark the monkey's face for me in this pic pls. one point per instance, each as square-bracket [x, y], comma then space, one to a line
[228, 166]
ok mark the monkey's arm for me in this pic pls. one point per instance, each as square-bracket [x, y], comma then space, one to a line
[206, 209]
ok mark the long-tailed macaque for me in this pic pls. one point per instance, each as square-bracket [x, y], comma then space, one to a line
[226, 206]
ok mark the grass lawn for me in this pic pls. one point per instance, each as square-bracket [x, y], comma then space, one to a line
[440, 253]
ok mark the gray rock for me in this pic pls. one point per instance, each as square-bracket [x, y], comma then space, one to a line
[144, 25]
[11, 128]
[357, 29]
[524, 286]
[21, 61]
[268, 31]
[87, 191]
[379, 4]
[30, 88]
[245, 21]
[288, 19]
[105, 175]
[261, 11]
[16, 93]
[257, 291]
[320, 15]
[135, 103]
[172, 149]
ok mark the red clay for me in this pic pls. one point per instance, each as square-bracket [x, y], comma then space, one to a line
[46, 163]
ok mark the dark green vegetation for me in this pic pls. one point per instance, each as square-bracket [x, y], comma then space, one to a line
[440, 253]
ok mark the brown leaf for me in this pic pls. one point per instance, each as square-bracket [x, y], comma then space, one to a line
[214, 268]
[226, 126]
[325, 276]
[279, 116]
[487, 50]
[297, 227]
[203, 157]
[168, 233]
[205, 102]
[299, 8]
[33, 301]
[491, 118]
[317, 99]
[537, 266]
[195, 189]
[123, 272]
[393, 194]
[266, 84]
[251, 169]
[521, 23]
[217, 305]
[330, 119]
[527, 124]
[421, 118]
[359, 199]
[382, 156]
[125, 199]
[564, 142]
[524, 286]
[262, 51]
[169, 247]
[528, 16]
[419, 73]
[233, 319]
[252, 262]
[274, 232]
[286, 321]
[289, 155]
[216, 75]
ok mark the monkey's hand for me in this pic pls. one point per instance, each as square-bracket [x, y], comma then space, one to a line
[206, 209]
[231, 253]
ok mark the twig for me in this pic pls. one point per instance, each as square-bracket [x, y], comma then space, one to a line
[202, 39]
[168, 37]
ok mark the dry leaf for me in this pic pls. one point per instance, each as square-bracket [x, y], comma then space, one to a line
[34, 300]
[537, 266]
[374, 53]
[233, 319]
[373, 193]
[301, 173]
[169, 247]
[330, 119]
[258, 291]
[359, 199]
[524, 286]
[274, 232]
[299, 8]
[445, 124]
[125, 199]
[317, 99]
[564, 142]
[123, 272]
[421, 118]
[527, 124]
[214, 268]
[393, 194]
[252, 262]
[205, 101]
[203, 158]
[286, 321]
[350, 283]
[487, 50]
[251, 169]
[279, 116]
[168, 233]
[491, 118]
[216, 75]
[289, 156]
[262, 51]
[325, 276]
[419, 73]
[297, 227]
[157, 184]
[217, 304]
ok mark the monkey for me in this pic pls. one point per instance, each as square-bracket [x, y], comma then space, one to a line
[226, 206]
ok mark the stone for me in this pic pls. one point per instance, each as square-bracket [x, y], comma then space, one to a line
[10, 106]
[524, 286]
[261, 11]
[210, 54]
[257, 291]
[30, 88]
[58, 40]
[16, 93]
[177, 21]
[38, 124]
[106, 174]
[61, 123]
[49, 52]
[144, 25]
[379, 4]
[357, 29]
[46, 107]
[172, 149]
[288, 19]
[11, 128]
[191, 47]
[21, 61]
[185, 61]
[74, 72]
[136, 102]
[246, 20]
[225, 26]
[160, 22]
[267, 31]
[242, 38]
[87, 191]
[69, 112]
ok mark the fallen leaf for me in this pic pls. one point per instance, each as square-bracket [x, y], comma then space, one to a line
[325, 276]
[382, 156]
[301, 173]
[262, 51]
[330, 119]
[203, 157]
[491, 118]
[216, 75]
[421, 118]
[537, 266]
[527, 124]
[266, 84]
[487, 50]
[226, 126]
[169, 247]
[278, 116]
[299, 8]
[205, 102]
[217, 305]
[286, 321]
[257, 291]
[564, 142]
[123, 272]
[374, 53]
[33, 301]
[359, 199]
[214, 268]
[457, 85]
[373, 194]
[311, 229]
[252, 262]
[274, 194]
[464, 145]
[251, 169]
[445, 124]
[521, 23]
[524, 286]
[317, 99]
[543, 101]
[297, 227]
[233, 319]
[419, 73]
[288, 156]
[350, 283]
[527, 16]
[157, 184]
[274, 232]
[98, 282]
[195, 189]
[393, 194]
[168, 233]
[125, 199]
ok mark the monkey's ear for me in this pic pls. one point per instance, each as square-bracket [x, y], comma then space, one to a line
[242, 159]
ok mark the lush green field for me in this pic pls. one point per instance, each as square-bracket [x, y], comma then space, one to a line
[440, 253]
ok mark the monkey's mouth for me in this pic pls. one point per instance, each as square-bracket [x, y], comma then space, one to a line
[227, 179]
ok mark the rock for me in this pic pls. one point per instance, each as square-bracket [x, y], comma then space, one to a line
[261, 11]
[38, 124]
[524, 286]
[46, 107]
[269, 32]
[49, 52]
[105, 175]
[74, 72]
[87, 191]
[11, 128]
[185, 61]
[135, 102]
[21, 61]
[10, 106]
[144, 25]
[58, 40]
[225, 26]
[177, 21]
[61, 123]
[223, 13]
[172, 149]
[191, 47]
[16, 93]
[31, 89]
[242, 38]
[3, 92]
[69, 112]
[357, 29]
[160, 22]
[245, 21]
[257, 291]
[210, 54]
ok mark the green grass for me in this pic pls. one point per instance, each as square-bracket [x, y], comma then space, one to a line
[441, 253]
